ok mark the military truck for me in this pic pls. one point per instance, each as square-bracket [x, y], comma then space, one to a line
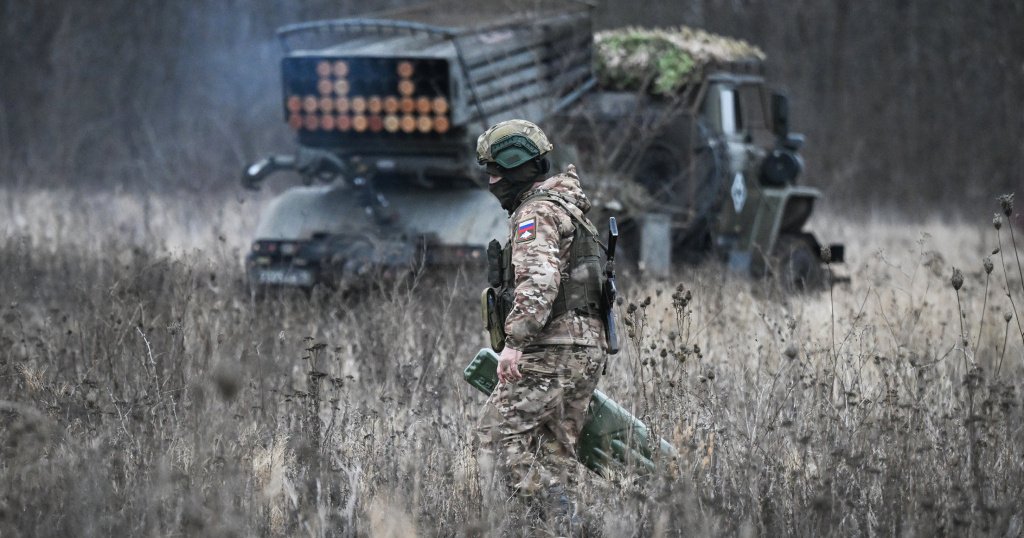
[386, 110]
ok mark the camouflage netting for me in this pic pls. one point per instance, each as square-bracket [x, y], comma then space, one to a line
[662, 60]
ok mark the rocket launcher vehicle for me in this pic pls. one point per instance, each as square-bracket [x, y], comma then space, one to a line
[612, 438]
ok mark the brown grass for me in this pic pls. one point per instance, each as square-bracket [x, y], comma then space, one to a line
[144, 392]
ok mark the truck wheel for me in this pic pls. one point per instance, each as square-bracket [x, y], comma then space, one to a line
[796, 263]
[684, 178]
[660, 173]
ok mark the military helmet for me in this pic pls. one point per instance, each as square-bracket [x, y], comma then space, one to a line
[512, 143]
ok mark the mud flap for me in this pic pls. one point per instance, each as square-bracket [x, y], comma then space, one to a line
[656, 245]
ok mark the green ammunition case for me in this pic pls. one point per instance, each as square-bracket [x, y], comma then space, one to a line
[612, 438]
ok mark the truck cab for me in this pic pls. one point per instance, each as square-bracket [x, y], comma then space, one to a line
[760, 227]
[717, 172]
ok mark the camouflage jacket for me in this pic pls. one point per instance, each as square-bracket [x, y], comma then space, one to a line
[541, 233]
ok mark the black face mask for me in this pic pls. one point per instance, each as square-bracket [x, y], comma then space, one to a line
[514, 182]
[508, 193]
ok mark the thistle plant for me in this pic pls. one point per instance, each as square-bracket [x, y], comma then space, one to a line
[957, 281]
[1006, 205]
[988, 266]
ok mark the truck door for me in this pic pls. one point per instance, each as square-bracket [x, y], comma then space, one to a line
[737, 112]
[724, 112]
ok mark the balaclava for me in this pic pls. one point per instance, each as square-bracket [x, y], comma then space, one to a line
[514, 182]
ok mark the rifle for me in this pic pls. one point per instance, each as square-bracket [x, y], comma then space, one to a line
[493, 320]
[608, 290]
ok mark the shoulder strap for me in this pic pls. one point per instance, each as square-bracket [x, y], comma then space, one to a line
[569, 208]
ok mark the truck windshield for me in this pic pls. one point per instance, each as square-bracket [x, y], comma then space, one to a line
[730, 113]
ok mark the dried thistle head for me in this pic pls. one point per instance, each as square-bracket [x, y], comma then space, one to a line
[1007, 317]
[1006, 204]
[826, 254]
[681, 298]
[957, 280]
[987, 264]
[997, 221]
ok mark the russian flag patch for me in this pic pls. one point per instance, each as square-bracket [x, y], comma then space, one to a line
[526, 230]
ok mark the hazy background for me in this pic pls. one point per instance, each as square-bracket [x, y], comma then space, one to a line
[143, 390]
[911, 104]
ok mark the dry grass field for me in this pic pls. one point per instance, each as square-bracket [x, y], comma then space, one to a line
[144, 392]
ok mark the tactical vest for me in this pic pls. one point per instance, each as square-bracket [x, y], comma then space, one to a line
[579, 288]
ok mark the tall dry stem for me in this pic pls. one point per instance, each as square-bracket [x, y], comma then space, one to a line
[1020, 274]
[1006, 203]
[987, 265]
[997, 222]
[831, 301]
[957, 281]
[1006, 336]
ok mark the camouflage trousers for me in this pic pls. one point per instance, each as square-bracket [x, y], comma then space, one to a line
[528, 429]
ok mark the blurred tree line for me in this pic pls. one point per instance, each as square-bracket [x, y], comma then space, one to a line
[908, 103]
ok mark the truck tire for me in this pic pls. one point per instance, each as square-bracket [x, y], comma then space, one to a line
[796, 264]
[662, 174]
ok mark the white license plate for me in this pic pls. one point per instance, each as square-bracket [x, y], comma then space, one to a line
[284, 276]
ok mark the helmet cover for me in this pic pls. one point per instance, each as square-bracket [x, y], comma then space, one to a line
[512, 143]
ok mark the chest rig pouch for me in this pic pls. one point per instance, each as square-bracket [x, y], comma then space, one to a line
[579, 288]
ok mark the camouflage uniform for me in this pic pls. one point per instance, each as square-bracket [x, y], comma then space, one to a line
[533, 424]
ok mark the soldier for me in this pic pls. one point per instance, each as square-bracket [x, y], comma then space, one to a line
[552, 353]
